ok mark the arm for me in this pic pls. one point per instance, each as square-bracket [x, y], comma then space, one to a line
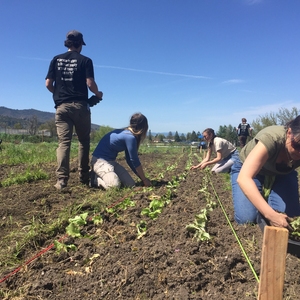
[137, 170]
[50, 85]
[207, 158]
[215, 160]
[141, 174]
[133, 161]
[92, 85]
[252, 165]
[250, 131]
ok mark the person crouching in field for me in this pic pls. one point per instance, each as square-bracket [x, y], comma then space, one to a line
[264, 181]
[106, 172]
[225, 151]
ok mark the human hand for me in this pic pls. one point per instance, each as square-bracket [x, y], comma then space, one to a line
[99, 95]
[280, 220]
[193, 167]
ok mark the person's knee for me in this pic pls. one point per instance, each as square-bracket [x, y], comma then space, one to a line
[111, 180]
[245, 219]
[65, 141]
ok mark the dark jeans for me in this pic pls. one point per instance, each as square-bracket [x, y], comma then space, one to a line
[68, 116]
[242, 140]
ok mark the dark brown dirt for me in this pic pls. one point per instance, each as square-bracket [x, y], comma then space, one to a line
[112, 263]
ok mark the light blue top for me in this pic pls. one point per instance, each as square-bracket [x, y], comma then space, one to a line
[117, 141]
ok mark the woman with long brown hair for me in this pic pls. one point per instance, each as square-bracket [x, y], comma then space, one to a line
[224, 150]
[106, 172]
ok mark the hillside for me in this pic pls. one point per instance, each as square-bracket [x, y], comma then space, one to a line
[9, 116]
[42, 116]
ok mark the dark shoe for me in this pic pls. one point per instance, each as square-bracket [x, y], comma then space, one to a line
[85, 182]
[60, 184]
[84, 178]
[93, 176]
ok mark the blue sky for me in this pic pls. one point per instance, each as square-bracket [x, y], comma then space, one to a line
[185, 64]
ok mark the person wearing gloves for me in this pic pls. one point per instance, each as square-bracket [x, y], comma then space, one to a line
[106, 172]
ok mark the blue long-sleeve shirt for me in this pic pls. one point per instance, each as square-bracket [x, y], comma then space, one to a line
[117, 141]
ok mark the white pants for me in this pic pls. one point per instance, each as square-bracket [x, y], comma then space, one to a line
[111, 174]
[223, 166]
[226, 163]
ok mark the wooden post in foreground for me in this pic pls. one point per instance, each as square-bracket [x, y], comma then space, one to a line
[273, 262]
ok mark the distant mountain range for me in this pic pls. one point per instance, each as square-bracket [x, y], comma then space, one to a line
[11, 116]
[26, 114]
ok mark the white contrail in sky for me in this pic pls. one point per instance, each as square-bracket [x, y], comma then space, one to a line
[130, 69]
[253, 2]
[154, 72]
[233, 81]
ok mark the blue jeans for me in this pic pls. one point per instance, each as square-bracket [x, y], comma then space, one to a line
[284, 196]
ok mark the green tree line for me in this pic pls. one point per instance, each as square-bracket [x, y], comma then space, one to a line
[228, 132]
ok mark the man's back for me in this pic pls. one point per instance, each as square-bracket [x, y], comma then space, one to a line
[69, 70]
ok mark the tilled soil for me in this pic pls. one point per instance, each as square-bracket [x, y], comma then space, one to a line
[112, 262]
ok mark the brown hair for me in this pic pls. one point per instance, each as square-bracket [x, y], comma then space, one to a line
[244, 120]
[138, 126]
[76, 44]
[210, 131]
[295, 128]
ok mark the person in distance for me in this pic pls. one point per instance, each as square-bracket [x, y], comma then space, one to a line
[243, 130]
[106, 172]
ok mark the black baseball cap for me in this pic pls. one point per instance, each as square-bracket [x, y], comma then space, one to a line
[75, 36]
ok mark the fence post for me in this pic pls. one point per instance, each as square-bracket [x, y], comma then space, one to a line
[273, 261]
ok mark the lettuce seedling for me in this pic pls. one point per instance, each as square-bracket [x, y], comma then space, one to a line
[73, 229]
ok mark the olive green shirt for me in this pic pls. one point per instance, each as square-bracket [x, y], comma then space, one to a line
[273, 138]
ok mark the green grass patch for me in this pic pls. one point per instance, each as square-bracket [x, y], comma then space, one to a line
[27, 176]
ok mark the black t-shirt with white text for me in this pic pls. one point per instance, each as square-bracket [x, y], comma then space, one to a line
[69, 72]
[244, 129]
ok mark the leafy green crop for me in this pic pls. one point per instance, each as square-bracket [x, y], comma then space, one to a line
[63, 247]
[154, 209]
[141, 229]
[295, 224]
[198, 226]
[73, 229]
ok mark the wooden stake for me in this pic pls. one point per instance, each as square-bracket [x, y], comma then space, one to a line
[273, 262]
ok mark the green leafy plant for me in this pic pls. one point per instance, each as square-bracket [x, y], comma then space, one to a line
[61, 247]
[198, 226]
[295, 224]
[97, 220]
[126, 203]
[141, 229]
[73, 229]
[154, 209]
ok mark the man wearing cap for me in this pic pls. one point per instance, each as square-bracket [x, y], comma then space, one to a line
[69, 76]
[243, 130]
